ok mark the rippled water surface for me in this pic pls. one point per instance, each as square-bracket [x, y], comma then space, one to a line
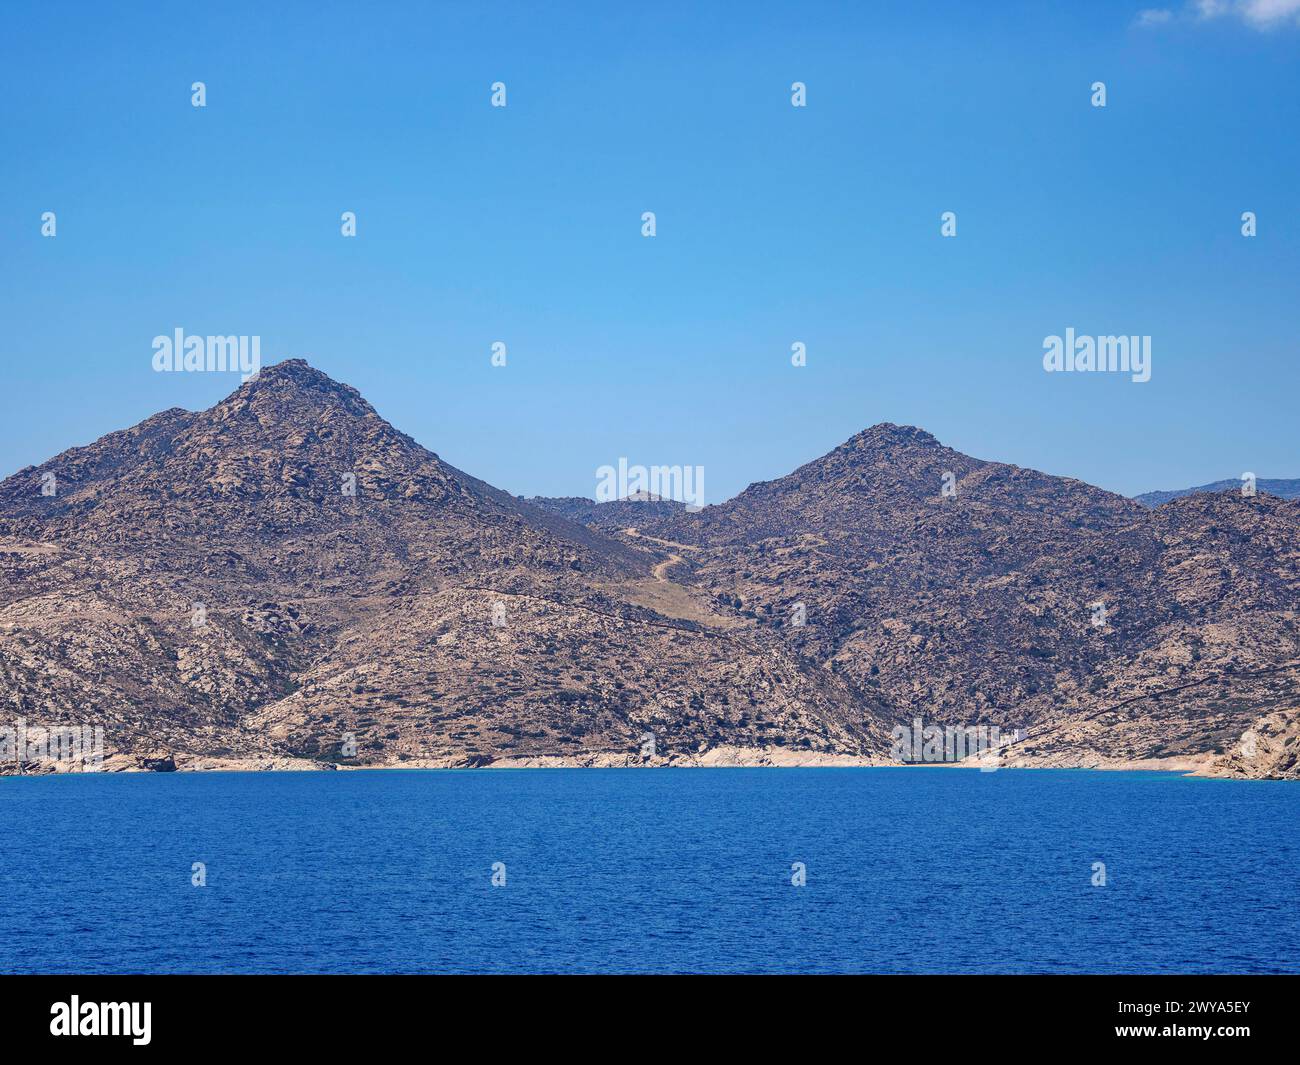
[908, 870]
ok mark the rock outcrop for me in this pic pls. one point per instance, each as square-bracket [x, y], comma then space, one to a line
[1268, 750]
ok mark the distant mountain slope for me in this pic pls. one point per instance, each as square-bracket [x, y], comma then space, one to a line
[614, 515]
[1283, 489]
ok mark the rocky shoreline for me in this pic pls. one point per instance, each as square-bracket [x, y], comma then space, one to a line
[1199, 765]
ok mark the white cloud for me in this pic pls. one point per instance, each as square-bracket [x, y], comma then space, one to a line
[1259, 14]
[1268, 13]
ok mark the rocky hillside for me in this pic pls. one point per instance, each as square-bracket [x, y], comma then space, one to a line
[286, 578]
[287, 571]
[963, 591]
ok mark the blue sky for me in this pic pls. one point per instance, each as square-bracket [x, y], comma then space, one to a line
[775, 224]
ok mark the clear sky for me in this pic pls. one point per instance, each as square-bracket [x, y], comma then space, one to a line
[775, 224]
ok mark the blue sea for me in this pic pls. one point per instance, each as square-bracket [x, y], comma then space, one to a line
[907, 870]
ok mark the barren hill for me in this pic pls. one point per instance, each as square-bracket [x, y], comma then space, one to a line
[286, 570]
[286, 575]
[963, 591]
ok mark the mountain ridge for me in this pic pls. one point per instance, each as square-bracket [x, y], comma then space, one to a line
[349, 583]
[343, 575]
[1282, 487]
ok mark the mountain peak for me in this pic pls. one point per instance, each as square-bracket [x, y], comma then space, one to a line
[290, 384]
[887, 433]
[292, 368]
[297, 372]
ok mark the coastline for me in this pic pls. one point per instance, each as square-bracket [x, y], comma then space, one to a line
[723, 757]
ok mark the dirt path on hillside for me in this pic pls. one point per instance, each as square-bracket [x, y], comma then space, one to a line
[662, 568]
[669, 598]
[656, 540]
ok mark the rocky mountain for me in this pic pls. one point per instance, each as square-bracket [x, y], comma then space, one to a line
[1283, 489]
[970, 592]
[286, 579]
[286, 574]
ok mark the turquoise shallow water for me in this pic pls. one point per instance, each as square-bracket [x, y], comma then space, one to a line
[908, 870]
